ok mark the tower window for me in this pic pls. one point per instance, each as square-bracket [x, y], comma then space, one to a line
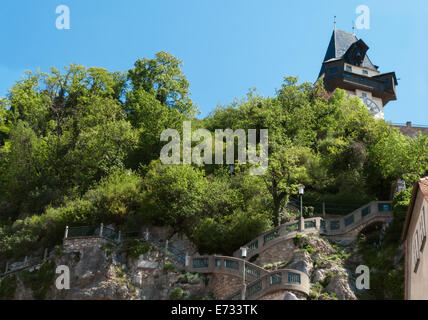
[416, 252]
[364, 95]
[333, 70]
[365, 72]
[348, 68]
[422, 229]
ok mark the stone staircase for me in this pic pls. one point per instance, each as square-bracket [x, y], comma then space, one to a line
[261, 281]
[258, 281]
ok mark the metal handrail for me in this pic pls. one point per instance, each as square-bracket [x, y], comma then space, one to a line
[353, 219]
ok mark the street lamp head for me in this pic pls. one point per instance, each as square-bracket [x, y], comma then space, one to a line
[244, 252]
[301, 189]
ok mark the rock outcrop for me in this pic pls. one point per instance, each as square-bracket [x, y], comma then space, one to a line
[157, 278]
[95, 274]
[322, 261]
[102, 271]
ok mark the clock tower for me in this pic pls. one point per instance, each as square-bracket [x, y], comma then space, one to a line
[347, 66]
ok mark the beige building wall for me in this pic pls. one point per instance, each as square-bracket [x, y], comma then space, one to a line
[358, 93]
[359, 70]
[416, 285]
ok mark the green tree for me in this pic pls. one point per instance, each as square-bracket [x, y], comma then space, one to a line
[285, 173]
[163, 78]
[25, 169]
[4, 128]
[150, 117]
[175, 195]
[227, 234]
[66, 131]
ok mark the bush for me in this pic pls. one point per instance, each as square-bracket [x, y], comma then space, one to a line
[116, 197]
[177, 294]
[387, 277]
[296, 239]
[308, 248]
[109, 248]
[316, 291]
[400, 204]
[39, 281]
[189, 278]
[135, 248]
[113, 200]
[174, 196]
[327, 279]
[209, 236]
[168, 266]
[58, 250]
[227, 234]
[302, 244]
[8, 287]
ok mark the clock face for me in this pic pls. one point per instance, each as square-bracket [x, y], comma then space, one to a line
[371, 105]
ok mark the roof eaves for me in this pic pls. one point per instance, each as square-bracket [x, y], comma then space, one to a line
[421, 185]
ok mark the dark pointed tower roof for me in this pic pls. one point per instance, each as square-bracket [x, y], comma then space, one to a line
[339, 44]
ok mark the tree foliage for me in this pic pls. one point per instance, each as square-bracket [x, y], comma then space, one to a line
[81, 146]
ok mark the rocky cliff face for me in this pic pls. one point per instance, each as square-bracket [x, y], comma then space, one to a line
[323, 262]
[99, 272]
[157, 277]
[96, 275]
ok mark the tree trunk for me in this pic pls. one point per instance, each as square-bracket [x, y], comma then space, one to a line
[276, 211]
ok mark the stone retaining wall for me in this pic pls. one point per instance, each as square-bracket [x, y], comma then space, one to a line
[80, 243]
[224, 285]
[284, 249]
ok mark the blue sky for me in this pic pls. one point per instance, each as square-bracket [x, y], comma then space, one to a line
[227, 46]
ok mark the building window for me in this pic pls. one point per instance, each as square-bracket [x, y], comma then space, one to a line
[335, 225]
[276, 278]
[348, 68]
[293, 277]
[384, 207]
[200, 263]
[323, 225]
[365, 72]
[349, 220]
[217, 263]
[364, 95]
[231, 264]
[366, 211]
[333, 70]
[253, 246]
[416, 252]
[252, 271]
[422, 229]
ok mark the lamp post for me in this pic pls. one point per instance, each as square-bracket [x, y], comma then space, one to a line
[301, 191]
[244, 285]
